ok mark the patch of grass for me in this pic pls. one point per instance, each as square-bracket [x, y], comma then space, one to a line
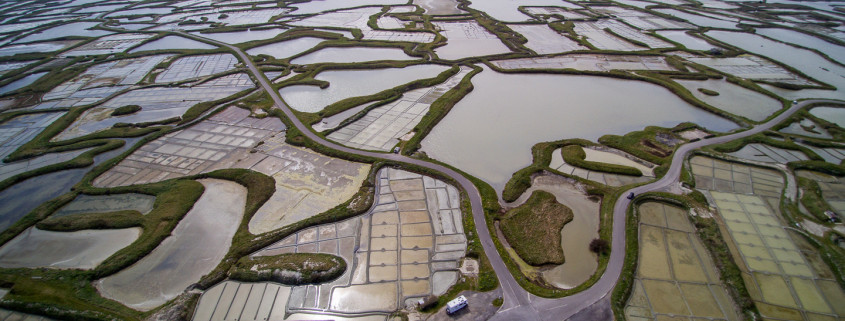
[533, 229]
[173, 200]
[574, 155]
[812, 198]
[498, 301]
[85, 221]
[126, 110]
[730, 274]
[643, 144]
[708, 92]
[289, 269]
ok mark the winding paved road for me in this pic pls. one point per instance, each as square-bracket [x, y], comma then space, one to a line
[518, 303]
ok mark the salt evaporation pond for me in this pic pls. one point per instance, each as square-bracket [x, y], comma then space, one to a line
[241, 36]
[20, 83]
[805, 61]
[490, 132]
[107, 203]
[141, 11]
[172, 42]
[700, 20]
[353, 83]
[195, 247]
[833, 51]
[835, 115]
[508, 10]
[355, 54]
[35, 47]
[320, 6]
[21, 198]
[287, 48]
[681, 36]
[733, 99]
[71, 29]
[84, 249]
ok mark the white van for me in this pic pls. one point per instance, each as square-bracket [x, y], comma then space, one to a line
[456, 305]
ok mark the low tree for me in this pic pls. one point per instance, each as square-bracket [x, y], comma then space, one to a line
[599, 246]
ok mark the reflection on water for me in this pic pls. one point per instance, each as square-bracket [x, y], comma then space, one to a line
[346, 55]
[353, 83]
[490, 132]
[733, 99]
[835, 115]
[21, 198]
[20, 83]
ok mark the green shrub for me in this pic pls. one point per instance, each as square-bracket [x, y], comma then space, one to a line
[125, 110]
[533, 229]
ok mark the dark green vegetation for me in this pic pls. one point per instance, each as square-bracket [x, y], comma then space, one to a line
[290, 269]
[533, 229]
[708, 92]
[126, 110]
[812, 199]
[574, 155]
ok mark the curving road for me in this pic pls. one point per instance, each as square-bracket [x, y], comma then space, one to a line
[518, 303]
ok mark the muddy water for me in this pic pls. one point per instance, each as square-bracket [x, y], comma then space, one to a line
[346, 55]
[346, 84]
[173, 42]
[831, 114]
[77, 250]
[286, 49]
[805, 61]
[681, 36]
[490, 132]
[575, 236]
[21, 198]
[733, 99]
[195, 247]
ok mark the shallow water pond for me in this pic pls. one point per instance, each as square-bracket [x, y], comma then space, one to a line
[320, 6]
[805, 61]
[700, 20]
[85, 249]
[21, 198]
[575, 236]
[241, 36]
[195, 247]
[172, 42]
[490, 132]
[347, 55]
[831, 114]
[20, 83]
[353, 83]
[72, 29]
[108, 203]
[508, 10]
[681, 36]
[733, 99]
[831, 50]
[287, 48]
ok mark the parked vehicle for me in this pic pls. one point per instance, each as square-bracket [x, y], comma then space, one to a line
[456, 305]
